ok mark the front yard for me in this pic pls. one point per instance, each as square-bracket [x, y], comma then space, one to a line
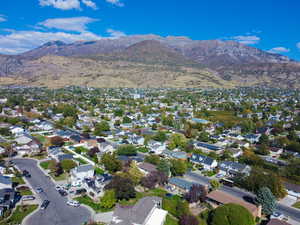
[19, 214]
[86, 200]
[296, 205]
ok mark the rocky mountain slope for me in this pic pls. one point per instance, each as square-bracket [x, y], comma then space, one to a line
[149, 61]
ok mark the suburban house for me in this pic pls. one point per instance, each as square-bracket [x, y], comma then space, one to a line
[16, 130]
[79, 173]
[216, 198]
[147, 211]
[277, 222]
[179, 185]
[208, 147]
[275, 152]
[7, 199]
[156, 147]
[233, 168]
[106, 147]
[206, 162]
[175, 154]
[95, 186]
[293, 190]
[147, 168]
[252, 138]
[5, 182]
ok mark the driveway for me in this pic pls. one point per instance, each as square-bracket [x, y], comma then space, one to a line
[58, 212]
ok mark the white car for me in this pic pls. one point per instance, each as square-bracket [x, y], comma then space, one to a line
[73, 203]
[58, 188]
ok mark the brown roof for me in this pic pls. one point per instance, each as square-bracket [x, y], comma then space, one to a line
[223, 198]
[277, 222]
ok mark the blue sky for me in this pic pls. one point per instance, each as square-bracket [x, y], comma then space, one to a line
[272, 25]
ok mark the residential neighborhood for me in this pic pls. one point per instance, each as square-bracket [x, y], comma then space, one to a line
[151, 157]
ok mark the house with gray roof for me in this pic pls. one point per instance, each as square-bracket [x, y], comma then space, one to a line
[206, 162]
[147, 211]
[5, 182]
[80, 173]
[180, 185]
[233, 168]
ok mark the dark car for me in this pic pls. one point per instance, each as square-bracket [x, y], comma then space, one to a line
[45, 204]
[62, 192]
[26, 174]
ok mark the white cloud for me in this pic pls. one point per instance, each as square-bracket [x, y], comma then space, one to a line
[70, 24]
[2, 18]
[68, 4]
[90, 4]
[247, 40]
[115, 33]
[278, 50]
[115, 2]
[298, 45]
[21, 41]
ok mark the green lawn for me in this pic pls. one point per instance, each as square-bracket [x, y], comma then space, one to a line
[18, 180]
[26, 192]
[61, 177]
[99, 170]
[171, 221]
[296, 205]
[86, 200]
[154, 192]
[45, 164]
[81, 161]
[19, 214]
[40, 138]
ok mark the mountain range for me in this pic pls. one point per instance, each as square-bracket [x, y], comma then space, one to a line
[149, 61]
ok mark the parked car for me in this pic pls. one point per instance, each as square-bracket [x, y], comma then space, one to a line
[45, 204]
[73, 203]
[28, 198]
[58, 188]
[62, 192]
[26, 174]
[39, 190]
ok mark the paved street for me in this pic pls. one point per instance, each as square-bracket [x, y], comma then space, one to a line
[58, 212]
[237, 192]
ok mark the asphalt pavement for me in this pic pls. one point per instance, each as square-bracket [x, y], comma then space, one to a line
[291, 212]
[57, 212]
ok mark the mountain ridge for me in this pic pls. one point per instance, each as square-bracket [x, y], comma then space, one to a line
[231, 61]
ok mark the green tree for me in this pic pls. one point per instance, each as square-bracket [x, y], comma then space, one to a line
[134, 173]
[153, 159]
[215, 184]
[108, 200]
[126, 119]
[160, 136]
[267, 200]
[128, 150]
[111, 163]
[101, 127]
[68, 164]
[232, 214]
[264, 139]
[204, 136]
[177, 141]
[164, 167]
[123, 187]
[178, 167]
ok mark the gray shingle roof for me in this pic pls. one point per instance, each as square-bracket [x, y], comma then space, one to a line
[137, 214]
